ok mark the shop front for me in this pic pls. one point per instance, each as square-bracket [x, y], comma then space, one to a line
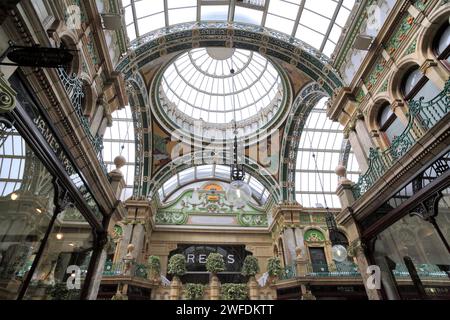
[409, 236]
[51, 227]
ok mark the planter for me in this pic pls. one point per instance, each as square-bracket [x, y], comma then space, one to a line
[253, 287]
[214, 287]
[175, 288]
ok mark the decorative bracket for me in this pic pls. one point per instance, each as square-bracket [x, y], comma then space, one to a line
[7, 96]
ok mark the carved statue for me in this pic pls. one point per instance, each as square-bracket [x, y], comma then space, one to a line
[129, 259]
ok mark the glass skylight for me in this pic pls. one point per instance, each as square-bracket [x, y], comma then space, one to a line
[324, 139]
[119, 140]
[12, 162]
[200, 84]
[189, 178]
[319, 23]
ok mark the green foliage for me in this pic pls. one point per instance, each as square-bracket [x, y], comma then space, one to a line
[177, 265]
[234, 291]
[60, 292]
[215, 263]
[154, 265]
[250, 267]
[194, 291]
[274, 267]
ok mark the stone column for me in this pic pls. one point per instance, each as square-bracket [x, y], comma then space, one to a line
[301, 263]
[359, 151]
[97, 118]
[364, 137]
[356, 250]
[344, 190]
[401, 111]
[436, 72]
[97, 278]
[289, 245]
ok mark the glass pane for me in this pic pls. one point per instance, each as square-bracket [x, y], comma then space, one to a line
[26, 207]
[63, 266]
[444, 41]
[415, 239]
[411, 81]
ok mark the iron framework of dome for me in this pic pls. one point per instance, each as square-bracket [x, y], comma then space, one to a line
[198, 89]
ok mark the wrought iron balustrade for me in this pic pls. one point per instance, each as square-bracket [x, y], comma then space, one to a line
[74, 89]
[125, 269]
[422, 116]
[288, 272]
[423, 271]
[346, 269]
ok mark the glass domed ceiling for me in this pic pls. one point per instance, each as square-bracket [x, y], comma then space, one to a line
[201, 85]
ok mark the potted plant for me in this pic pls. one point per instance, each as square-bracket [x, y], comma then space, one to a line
[177, 268]
[215, 264]
[274, 268]
[194, 291]
[249, 269]
[234, 291]
[154, 266]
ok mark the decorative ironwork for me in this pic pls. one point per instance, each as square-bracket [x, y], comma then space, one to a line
[333, 270]
[288, 272]
[74, 89]
[120, 269]
[7, 96]
[422, 117]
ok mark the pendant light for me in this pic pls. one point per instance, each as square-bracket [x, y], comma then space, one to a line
[239, 192]
[338, 251]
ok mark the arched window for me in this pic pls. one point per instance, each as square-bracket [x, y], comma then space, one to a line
[319, 152]
[390, 124]
[119, 140]
[443, 44]
[416, 85]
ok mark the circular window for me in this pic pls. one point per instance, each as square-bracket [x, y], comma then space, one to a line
[219, 86]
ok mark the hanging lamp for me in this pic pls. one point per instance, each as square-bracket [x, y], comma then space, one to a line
[239, 192]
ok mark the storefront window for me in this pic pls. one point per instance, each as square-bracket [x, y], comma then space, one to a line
[63, 266]
[26, 208]
[417, 240]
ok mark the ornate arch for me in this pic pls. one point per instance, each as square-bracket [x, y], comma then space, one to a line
[186, 162]
[138, 99]
[302, 106]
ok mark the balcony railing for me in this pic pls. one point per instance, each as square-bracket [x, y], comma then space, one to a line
[422, 117]
[288, 272]
[74, 89]
[333, 270]
[346, 269]
[423, 271]
[121, 269]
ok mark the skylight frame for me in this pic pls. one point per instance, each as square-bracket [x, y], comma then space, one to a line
[342, 12]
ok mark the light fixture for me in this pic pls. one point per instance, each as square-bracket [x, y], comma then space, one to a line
[338, 251]
[14, 196]
[72, 244]
[239, 192]
[59, 236]
[38, 210]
